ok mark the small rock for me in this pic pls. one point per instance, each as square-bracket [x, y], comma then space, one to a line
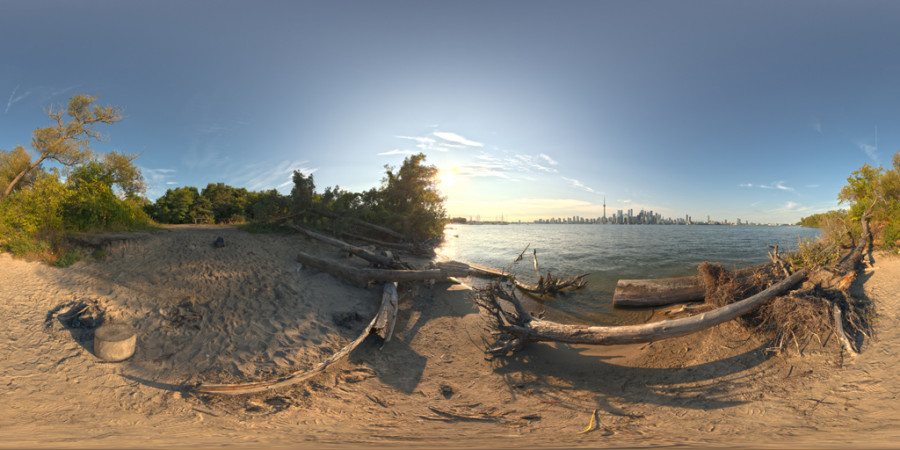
[219, 243]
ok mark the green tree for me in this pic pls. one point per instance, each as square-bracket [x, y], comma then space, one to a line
[175, 206]
[115, 170]
[411, 200]
[68, 140]
[303, 192]
[227, 203]
[861, 190]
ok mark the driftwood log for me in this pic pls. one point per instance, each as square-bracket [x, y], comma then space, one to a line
[665, 291]
[362, 276]
[382, 324]
[375, 259]
[371, 226]
[523, 328]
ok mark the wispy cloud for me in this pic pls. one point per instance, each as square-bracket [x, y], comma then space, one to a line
[579, 185]
[457, 139]
[157, 180]
[779, 185]
[817, 125]
[870, 150]
[529, 162]
[268, 175]
[549, 160]
[425, 143]
[13, 99]
[396, 152]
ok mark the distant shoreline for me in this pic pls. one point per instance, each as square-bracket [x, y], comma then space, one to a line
[629, 224]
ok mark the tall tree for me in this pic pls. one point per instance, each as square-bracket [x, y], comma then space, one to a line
[68, 140]
[410, 196]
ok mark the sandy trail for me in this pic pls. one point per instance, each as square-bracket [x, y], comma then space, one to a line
[256, 313]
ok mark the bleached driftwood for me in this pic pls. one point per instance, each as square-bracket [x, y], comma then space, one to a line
[524, 328]
[666, 291]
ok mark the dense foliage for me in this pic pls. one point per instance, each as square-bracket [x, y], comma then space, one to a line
[407, 202]
[218, 203]
[877, 188]
[93, 192]
[103, 192]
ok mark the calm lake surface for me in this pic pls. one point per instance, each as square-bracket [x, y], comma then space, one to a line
[610, 253]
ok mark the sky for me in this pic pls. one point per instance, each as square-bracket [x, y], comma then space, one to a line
[757, 110]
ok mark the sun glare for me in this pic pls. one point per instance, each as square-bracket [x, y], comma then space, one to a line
[447, 177]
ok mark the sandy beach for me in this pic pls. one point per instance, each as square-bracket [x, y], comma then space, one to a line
[249, 311]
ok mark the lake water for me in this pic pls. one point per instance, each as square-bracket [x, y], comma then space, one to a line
[610, 253]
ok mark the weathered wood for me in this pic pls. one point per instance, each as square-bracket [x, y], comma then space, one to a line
[384, 311]
[545, 285]
[367, 255]
[384, 326]
[659, 291]
[361, 276]
[529, 329]
[666, 291]
[839, 331]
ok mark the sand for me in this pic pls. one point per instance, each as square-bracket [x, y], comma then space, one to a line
[249, 311]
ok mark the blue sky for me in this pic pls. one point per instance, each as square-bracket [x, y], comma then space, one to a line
[756, 110]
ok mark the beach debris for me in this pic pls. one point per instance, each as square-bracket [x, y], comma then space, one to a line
[114, 342]
[592, 425]
[485, 415]
[184, 314]
[519, 327]
[374, 259]
[219, 242]
[545, 285]
[361, 277]
[78, 317]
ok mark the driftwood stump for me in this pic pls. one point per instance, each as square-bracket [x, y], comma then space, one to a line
[114, 342]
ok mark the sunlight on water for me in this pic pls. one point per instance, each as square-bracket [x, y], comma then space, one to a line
[610, 253]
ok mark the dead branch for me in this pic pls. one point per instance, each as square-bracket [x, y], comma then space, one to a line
[839, 331]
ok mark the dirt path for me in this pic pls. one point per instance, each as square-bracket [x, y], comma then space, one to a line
[430, 383]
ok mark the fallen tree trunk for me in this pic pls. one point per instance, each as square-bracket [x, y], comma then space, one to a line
[665, 291]
[363, 223]
[412, 248]
[362, 276]
[378, 260]
[386, 316]
[523, 328]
